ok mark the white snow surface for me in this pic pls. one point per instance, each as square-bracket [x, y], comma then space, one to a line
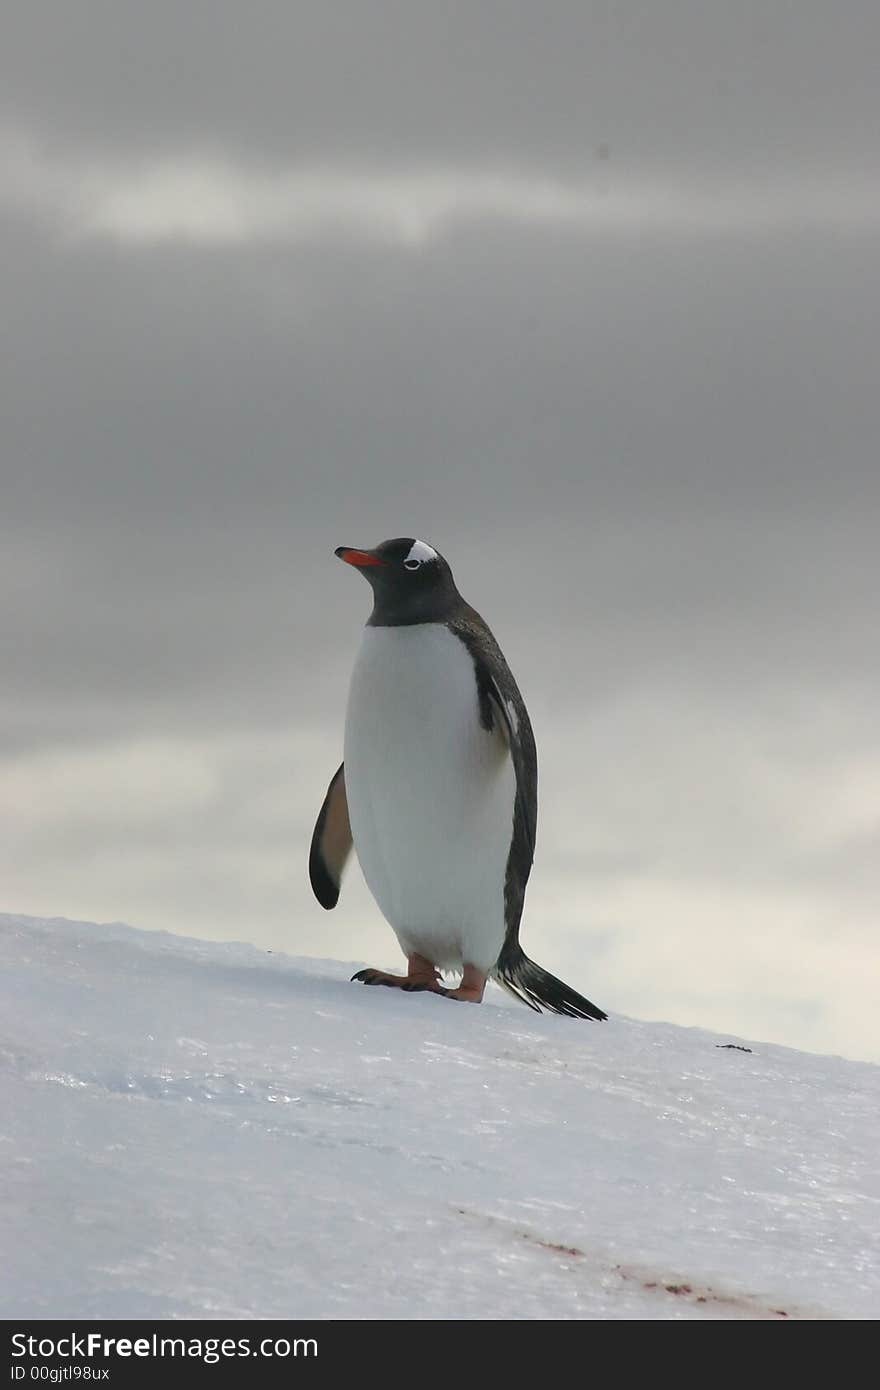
[191, 1129]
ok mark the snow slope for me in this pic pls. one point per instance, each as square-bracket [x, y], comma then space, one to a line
[190, 1129]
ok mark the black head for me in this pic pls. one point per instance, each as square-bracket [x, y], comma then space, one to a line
[411, 583]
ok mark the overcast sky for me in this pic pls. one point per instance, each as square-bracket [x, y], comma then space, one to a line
[586, 295]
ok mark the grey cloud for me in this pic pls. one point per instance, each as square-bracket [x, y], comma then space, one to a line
[187, 437]
[622, 368]
[660, 85]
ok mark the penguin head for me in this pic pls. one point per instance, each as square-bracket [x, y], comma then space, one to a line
[411, 582]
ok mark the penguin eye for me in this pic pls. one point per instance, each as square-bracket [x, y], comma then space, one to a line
[412, 564]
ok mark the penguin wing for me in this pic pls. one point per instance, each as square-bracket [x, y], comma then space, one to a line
[508, 714]
[331, 843]
[502, 707]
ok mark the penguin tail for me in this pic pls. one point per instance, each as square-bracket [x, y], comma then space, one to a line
[539, 989]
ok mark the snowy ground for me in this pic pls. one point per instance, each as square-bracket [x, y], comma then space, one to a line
[198, 1130]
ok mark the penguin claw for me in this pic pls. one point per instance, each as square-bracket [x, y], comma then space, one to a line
[375, 977]
[369, 976]
[378, 977]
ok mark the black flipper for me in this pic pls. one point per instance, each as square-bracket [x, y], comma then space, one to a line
[331, 843]
[501, 706]
[539, 989]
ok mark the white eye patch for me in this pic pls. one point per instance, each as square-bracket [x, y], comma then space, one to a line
[419, 554]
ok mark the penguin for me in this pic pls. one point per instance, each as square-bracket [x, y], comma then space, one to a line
[437, 791]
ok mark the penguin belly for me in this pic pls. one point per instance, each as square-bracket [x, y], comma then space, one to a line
[430, 795]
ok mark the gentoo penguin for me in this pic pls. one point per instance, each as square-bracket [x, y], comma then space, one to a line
[438, 789]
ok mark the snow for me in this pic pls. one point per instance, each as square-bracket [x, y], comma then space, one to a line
[193, 1129]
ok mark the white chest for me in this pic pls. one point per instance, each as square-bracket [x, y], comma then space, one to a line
[430, 793]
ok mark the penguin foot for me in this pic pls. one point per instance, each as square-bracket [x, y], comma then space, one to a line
[379, 977]
[421, 975]
[473, 984]
[470, 994]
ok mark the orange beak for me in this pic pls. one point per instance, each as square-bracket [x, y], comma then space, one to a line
[359, 558]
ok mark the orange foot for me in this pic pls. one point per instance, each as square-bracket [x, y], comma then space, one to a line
[473, 983]
[421, 974]
[472, 994]
[424, 976]
[378, 977]
[410, 982]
